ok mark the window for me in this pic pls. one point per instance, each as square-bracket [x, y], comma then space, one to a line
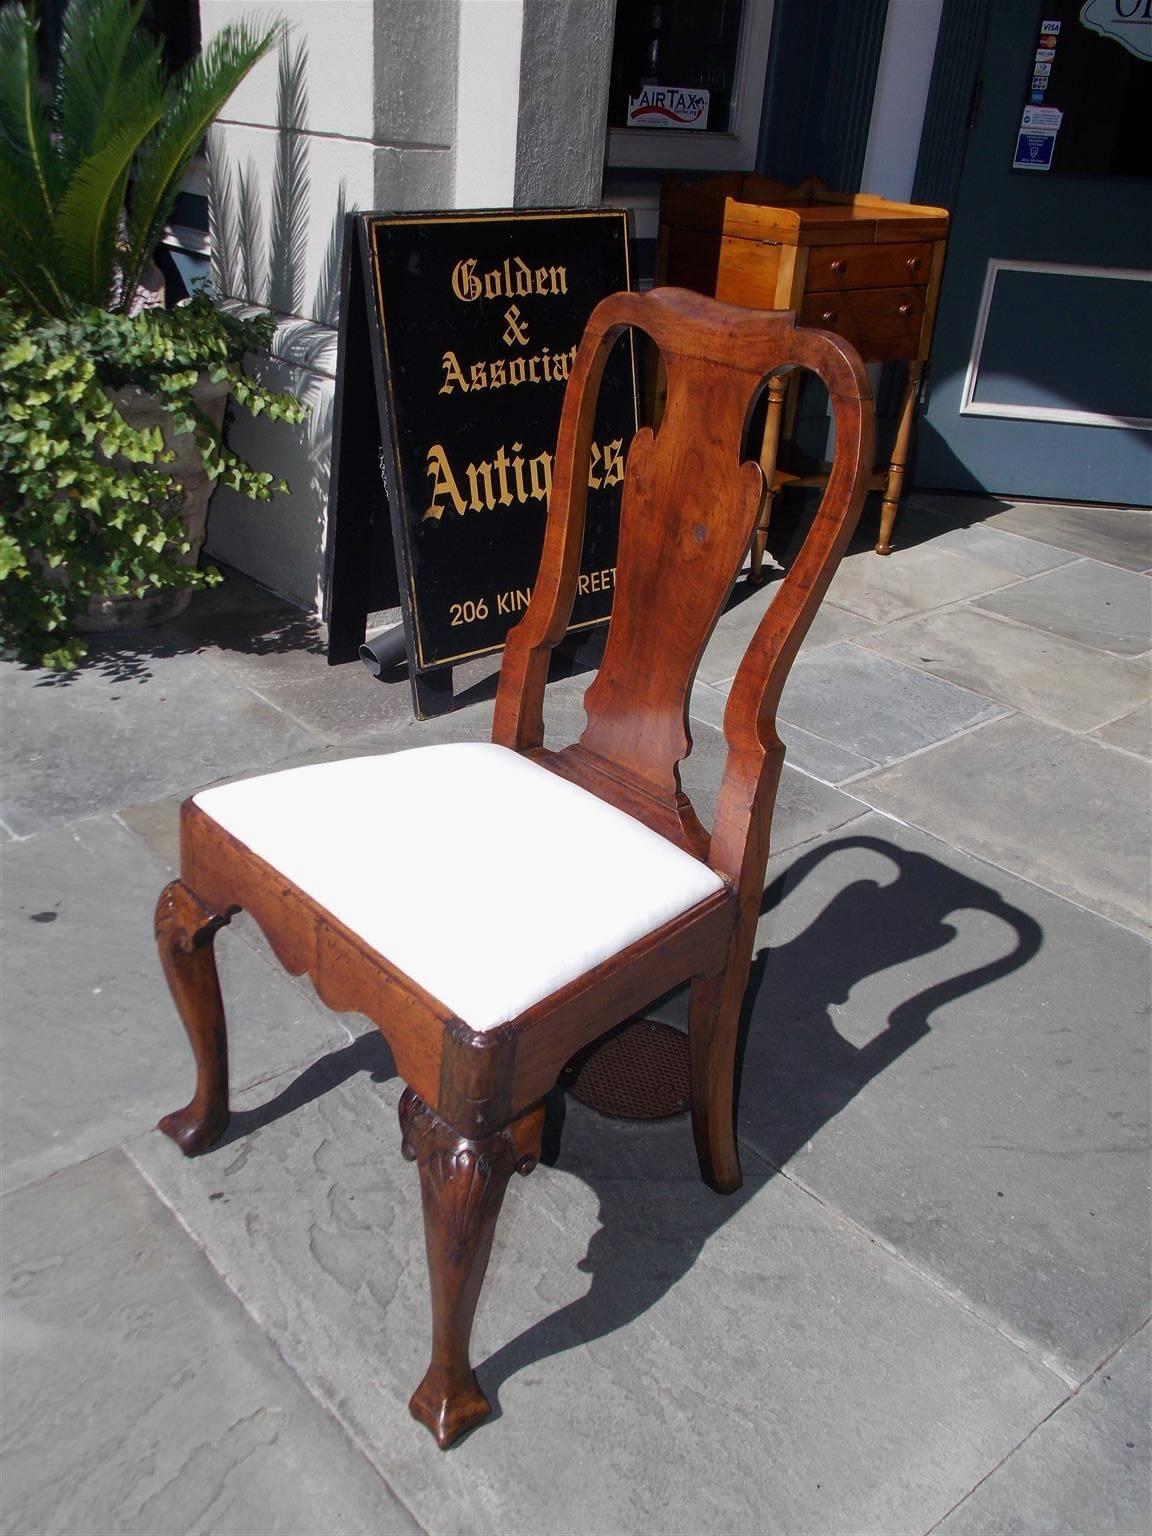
[721, 48]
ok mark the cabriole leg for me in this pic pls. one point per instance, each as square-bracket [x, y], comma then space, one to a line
[713, 1027]
[185, 929]
[462, 1186]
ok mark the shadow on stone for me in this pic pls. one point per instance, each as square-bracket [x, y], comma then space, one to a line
[239, 615]
[653, 1226]
[797, 1073]
[367, 1053]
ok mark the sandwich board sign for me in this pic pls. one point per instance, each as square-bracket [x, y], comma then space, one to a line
[457, 336]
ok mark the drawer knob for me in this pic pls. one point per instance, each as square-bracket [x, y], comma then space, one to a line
[839, 266]
[913, 263]
[904, 309]
[829, 316]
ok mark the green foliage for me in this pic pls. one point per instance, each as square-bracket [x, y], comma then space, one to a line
[87, 503]
[73, 230]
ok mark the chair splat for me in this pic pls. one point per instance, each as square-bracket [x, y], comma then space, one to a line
[689, 508]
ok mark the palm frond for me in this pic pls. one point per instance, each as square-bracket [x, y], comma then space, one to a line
[195, 97]
[88, 216]
[27, 244]
[105, 65]
[25, 134]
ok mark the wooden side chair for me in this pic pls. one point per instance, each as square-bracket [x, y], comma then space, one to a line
[493, 908]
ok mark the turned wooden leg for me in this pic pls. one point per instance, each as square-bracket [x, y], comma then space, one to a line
[462, 1186]
[185, 929]
[760, 540]
[777, 389]
[894, 486]
[713, 1028]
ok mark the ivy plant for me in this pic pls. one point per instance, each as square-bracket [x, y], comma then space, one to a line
[88, 506]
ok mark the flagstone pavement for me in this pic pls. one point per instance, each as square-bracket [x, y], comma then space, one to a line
[927, 1310]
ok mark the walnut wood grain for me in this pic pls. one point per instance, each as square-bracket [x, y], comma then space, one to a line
[462, 1184]
[185, 929]
[470, 1113]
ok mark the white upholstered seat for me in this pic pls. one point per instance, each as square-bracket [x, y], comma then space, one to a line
[484, 877]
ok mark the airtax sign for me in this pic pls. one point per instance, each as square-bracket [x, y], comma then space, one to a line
[668, 106]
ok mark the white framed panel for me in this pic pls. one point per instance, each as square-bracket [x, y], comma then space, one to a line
[1071, 415]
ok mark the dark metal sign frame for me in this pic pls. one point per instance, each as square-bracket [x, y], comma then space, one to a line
[456, 337]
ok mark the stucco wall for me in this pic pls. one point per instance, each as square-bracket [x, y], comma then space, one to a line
[565, 61]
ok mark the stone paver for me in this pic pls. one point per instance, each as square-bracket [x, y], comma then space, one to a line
[1092, 603]
[1057, 808]
[109, 736]
[881, 589]
[93, 1050]
[874, 707]
[733, 634]
[824, 760]
[140, 1397]
[1131, 732]
[1041, 674]
[960, 1061]
[709, 1358]
[1084, 1469]
[811, 754]
[1117, 535]
[913, 1323]
[1007, 551]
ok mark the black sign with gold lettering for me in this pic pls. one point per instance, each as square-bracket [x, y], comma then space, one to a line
[474, 320]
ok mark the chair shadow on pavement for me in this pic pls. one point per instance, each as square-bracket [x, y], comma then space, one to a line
[797, 1072]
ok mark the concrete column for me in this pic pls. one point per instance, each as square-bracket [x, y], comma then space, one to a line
[562, 127]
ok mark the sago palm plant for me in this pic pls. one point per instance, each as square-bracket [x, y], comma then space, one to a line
[88, 177]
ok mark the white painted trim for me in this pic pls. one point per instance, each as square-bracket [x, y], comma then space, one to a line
[660, 149]
[1053, 413]
[911, 33]
[488, 102]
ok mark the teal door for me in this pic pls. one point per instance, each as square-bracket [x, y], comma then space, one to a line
[1040, 383]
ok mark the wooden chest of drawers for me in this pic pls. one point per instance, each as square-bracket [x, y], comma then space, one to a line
[862, 266]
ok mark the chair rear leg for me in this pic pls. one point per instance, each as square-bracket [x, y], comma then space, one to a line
[462, 1185]
[185, 930]
[713, 1027]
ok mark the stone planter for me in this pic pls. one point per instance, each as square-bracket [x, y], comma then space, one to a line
[142, 410]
